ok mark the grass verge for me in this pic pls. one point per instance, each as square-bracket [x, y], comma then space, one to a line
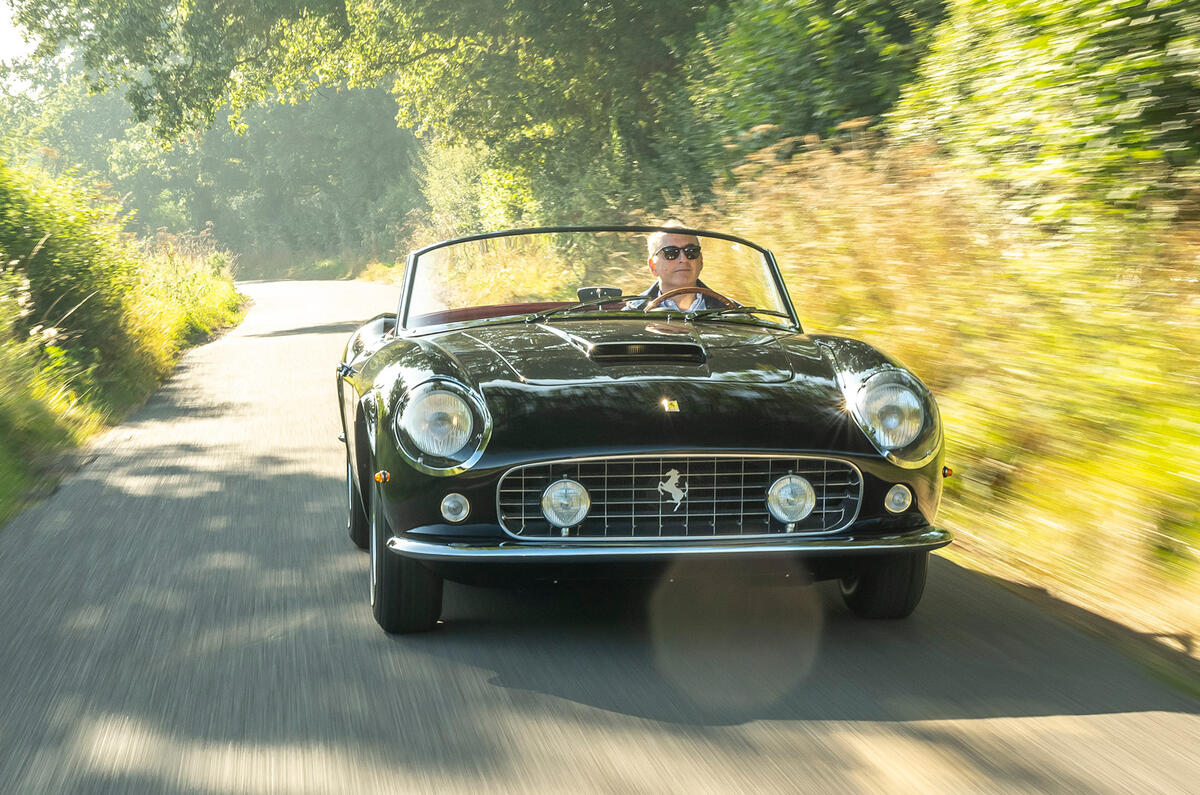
[1066, 360]
[91, 319]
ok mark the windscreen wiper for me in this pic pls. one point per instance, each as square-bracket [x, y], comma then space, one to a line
[562, 310]
[738, 310]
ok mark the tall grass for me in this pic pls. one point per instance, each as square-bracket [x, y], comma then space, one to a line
[1066, 361]
[91, 319]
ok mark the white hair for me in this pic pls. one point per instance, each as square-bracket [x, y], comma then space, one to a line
[654, 242]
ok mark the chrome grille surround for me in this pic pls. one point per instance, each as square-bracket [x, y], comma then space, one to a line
[632, 497]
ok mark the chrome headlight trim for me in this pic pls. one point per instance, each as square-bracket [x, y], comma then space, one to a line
[466, 456]
[928, 441]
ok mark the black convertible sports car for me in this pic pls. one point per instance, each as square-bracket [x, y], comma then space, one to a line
[536, 408]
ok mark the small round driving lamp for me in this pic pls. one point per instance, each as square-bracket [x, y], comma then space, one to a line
[565, 503]
[791, 498]
[898, 498]
[455, 507]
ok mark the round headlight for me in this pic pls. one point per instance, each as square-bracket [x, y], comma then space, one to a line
[791, 498]
[438, 422]
[565, 503]
[893, 412]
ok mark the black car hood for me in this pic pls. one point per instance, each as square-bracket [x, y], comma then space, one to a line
[757, 388]
[619, 349]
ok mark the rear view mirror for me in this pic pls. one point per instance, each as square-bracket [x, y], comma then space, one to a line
[598, 293]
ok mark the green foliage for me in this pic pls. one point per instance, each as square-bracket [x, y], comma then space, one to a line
[24, 423]
[558, 92]
[177, 60]
[76, 263]
[1066, 366]
[770, 69]
[465, 194]
[90, 320]
[301, 182]
[1066, 103]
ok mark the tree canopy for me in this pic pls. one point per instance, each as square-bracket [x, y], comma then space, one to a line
[578, 111]
[549, 87]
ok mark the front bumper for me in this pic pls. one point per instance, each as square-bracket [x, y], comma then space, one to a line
[921, 539]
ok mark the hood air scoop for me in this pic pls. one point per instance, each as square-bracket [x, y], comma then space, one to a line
[646, 352]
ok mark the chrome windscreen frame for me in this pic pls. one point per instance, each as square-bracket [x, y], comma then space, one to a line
[411, 262]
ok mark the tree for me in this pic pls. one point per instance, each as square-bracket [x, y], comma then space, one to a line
[334, 175]
[798, 67]
[556, 91]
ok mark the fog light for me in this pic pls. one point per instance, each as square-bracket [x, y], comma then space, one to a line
[565, 503]
[791, 498]
[455, 507]
[898, 498]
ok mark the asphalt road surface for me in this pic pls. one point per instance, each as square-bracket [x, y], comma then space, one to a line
[186, 614]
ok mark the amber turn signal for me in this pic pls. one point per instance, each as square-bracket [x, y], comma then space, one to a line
[947, 472]
[383, 476]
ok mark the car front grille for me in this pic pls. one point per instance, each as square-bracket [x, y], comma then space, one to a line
[679, 497]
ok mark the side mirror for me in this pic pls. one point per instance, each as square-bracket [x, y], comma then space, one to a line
[598, 293]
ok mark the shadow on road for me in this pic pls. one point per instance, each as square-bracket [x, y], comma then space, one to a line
[714, 653]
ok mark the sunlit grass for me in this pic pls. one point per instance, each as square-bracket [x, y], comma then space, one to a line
[1066, 361]
[184, 292]
[387, 272]
[58, 385]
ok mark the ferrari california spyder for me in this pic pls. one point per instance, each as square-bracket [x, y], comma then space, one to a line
[541, 405]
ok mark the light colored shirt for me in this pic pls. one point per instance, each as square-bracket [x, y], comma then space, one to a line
[696, 305]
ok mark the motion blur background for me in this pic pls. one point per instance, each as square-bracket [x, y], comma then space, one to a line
[1005, 196]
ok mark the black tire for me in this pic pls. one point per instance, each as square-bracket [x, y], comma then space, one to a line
[890, 587]
[357, 523]
[405, 596]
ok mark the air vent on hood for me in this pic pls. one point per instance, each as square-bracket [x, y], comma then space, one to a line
[646, 352]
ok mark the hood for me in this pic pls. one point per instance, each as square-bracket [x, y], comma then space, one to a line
[600, 386]
[563, 352]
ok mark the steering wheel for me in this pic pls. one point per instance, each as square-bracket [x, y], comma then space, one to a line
[681, 290]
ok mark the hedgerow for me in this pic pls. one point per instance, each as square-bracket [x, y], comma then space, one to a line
[91, 319]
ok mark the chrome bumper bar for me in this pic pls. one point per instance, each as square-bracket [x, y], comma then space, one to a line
[926, 538]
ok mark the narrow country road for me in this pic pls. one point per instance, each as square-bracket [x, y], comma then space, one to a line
[186, 614]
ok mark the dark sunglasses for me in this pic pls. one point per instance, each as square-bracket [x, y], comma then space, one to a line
[672, 252]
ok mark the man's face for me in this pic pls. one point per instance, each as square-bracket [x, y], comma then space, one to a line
[678, 272]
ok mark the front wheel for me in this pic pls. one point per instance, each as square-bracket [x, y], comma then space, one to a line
[357, 523]
[405, 596]
[890, 587]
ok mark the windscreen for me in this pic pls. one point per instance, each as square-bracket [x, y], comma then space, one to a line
[529, 272]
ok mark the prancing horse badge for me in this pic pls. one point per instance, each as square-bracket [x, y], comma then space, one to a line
[670, 486]
[670, 405]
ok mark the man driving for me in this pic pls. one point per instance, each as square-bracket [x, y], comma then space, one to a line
[675, 260]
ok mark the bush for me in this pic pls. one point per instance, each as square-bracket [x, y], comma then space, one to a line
[1071, 107]
[90, 319]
